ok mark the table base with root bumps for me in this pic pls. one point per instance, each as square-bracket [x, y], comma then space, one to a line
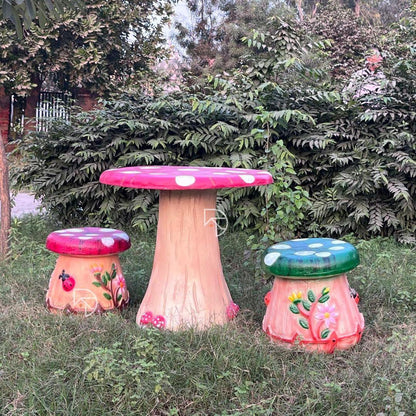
[187, 286]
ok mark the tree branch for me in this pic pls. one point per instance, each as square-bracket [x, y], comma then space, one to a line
[357, 8]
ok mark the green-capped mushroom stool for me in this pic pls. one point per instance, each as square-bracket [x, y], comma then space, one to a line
[311, 302]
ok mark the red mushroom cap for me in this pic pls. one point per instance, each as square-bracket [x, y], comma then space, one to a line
[88, 241]
[184, 177]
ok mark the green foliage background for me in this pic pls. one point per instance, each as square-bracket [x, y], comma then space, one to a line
[355, 157]
[65, 165]
[100, 46]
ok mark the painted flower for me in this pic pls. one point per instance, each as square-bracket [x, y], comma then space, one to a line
[295, 296]
[96, 268]
[327, 313]
[120, 282]
[232, 310]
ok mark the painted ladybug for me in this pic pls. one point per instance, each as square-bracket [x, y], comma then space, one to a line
[354, 294]
[267, 298]
[68, 282]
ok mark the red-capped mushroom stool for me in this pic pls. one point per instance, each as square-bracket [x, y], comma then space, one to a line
[187, 286]
[311, 303]
[87, 277]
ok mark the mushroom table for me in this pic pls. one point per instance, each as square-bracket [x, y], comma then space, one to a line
[187, 286]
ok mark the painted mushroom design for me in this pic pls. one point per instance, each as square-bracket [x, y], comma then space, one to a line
[311, 301]
[313, 258]
[187, 285]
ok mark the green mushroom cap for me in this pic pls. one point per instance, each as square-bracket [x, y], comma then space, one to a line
[311, 258]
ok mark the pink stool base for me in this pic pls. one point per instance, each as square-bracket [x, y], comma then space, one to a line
[319, 315]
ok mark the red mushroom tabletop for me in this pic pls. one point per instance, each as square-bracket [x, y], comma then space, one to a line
[184, 177]
[88, 241]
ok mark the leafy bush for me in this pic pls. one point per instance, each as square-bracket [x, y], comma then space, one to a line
[63, 167]
[363, 180]
[359, 162]
[354, 156]
[351, 37]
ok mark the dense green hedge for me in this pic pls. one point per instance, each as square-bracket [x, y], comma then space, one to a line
[356, 157]
[64, 166]
[359, 166]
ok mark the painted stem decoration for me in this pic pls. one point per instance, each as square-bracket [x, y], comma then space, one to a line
[114, 285]
[313, 307]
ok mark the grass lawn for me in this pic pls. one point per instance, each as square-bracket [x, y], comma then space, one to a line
[107, 365]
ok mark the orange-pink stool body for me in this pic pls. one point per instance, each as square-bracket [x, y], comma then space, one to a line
[311, 303]
[87, 277]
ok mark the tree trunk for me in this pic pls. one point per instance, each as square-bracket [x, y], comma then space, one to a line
[300, 10]
[31, 103]
[4, 113]
[315, 9]
[357, 8]
[5, 217]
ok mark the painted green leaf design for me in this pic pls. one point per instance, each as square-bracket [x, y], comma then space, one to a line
[105, 278]
[113, 273]
[311, 296]
[306, 305]
[303, 323]
[296, 301]
[294, 309]
[119, 298]
[325, 333]
[107, 296]
[323, 298]
[325, 290]
[97, 284]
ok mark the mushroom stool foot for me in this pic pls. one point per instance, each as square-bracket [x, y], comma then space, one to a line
[87, 277]
[311, 303]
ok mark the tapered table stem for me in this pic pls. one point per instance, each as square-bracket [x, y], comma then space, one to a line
[187, 285]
